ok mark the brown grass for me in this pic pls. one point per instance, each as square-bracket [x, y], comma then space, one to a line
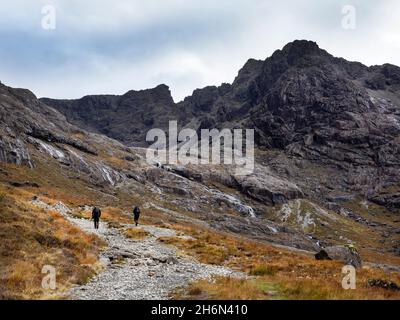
[135, 233]
[292, 275]
[225, 288]
[263, 270]
[264, 288]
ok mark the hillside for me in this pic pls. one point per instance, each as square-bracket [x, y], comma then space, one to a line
[327, 173]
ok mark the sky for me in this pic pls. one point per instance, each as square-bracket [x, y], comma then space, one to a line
[113, 46]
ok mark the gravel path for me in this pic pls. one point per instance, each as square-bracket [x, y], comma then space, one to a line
[137, 269]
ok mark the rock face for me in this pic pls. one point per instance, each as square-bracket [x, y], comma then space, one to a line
[344, 254]
[29, 127]
[126, 118]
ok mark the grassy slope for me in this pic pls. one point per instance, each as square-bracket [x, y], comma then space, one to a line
[275, 273]
[32, 238]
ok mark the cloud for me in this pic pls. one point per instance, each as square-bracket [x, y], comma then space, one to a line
[102, 46]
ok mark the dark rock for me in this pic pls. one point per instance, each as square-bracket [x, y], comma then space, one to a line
[322, 255]
[24, 184]
[390, 200]
[129, 158]
[388, 285]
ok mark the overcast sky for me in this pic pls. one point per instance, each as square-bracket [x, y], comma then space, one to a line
[112, 46]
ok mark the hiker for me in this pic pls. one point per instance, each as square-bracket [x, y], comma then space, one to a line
[136, 215]
[96, 214]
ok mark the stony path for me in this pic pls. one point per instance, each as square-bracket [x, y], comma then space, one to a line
[137, 269]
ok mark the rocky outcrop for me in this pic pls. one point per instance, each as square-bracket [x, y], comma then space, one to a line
[261, 185]
[390, 200]
[267, 188]
[345, 254]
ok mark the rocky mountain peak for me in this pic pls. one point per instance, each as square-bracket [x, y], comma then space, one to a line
[300, 50]
[160, 93]
[302, 47]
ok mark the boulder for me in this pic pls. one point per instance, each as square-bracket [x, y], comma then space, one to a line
[346, 254]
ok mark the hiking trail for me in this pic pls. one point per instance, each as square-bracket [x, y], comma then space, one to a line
[149, 269]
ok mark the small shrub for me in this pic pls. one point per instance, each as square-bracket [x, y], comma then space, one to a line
[115, 225]
[263, 270]
[194, 291]
[136, 233]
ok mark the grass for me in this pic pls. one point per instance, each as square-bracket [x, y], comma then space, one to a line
[203, 251]
[262, 270]
[135, 233]
[228, 288]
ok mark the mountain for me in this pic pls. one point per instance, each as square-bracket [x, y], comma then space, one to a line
[301, 101]
[326, 170]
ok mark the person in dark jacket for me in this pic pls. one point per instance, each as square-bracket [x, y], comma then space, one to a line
[96, 214]
[136, 215]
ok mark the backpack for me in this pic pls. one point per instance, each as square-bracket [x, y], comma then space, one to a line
[96, 213]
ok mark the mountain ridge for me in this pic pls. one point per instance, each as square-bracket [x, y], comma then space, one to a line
[247, 90]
